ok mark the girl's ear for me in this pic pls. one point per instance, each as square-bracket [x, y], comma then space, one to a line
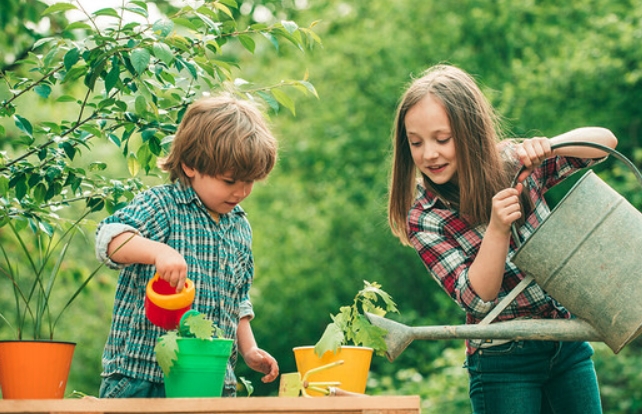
[189, 171]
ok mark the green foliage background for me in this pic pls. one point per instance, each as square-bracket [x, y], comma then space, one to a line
[320, 219]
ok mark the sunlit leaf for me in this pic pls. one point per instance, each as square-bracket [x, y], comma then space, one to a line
[107, 12]
[247, 42]
[283, 99]
[23, 124]
[133, 165]
[71, 57]
[163, 27]
[58, 8]
[140, 59]
[163, 52]
[43, 90]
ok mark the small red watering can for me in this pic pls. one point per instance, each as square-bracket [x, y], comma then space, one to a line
[164, 306]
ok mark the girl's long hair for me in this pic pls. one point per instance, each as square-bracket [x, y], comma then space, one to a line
[476, 130]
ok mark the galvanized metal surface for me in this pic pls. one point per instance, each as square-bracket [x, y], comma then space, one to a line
[586, 256]
[399, 336]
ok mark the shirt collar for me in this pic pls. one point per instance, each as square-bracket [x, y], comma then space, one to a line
[427, 199]
[187, 195]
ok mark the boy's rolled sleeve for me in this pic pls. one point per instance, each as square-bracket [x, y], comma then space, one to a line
[104, 236]
[246, 310]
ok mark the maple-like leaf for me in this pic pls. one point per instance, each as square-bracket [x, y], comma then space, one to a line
[331, 339]
[369, 335]
[166, 350]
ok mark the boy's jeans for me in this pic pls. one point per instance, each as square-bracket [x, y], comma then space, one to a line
[120, 386]
[534, 377]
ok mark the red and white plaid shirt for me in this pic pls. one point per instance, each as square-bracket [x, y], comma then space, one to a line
[448, 246]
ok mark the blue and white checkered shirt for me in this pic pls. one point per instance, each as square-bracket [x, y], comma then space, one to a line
[219, 260]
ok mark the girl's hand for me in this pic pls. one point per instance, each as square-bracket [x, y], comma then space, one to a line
[532, 152]
[171, 267]
[261, 361]
[506, 209]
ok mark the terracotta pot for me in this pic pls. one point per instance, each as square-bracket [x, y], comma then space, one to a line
[34, 369]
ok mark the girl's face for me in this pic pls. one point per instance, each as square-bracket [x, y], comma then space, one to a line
[431, 143]
[220, 194]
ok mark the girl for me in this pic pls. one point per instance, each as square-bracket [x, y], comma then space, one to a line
[458, 217]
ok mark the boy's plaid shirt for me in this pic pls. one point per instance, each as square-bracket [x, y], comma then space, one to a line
[219, 260]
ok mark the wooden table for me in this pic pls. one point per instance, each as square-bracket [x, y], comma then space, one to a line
[259, 405]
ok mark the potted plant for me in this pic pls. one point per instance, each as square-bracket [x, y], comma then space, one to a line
[350, 338]
[33, 364]
[116, 80]
[194, 357]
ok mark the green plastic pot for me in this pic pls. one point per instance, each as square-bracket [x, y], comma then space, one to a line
[199, 370]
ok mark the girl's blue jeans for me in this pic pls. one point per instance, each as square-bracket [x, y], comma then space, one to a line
[534, 377]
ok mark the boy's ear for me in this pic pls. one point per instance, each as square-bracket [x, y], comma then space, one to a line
[189, 171]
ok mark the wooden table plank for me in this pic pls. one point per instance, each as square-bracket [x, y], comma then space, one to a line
[259, 405]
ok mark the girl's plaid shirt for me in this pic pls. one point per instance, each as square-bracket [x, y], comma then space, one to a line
[448, 245]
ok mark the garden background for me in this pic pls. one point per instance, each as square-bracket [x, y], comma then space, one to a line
[319, 221]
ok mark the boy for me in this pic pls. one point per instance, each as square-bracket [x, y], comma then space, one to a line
[193, 226]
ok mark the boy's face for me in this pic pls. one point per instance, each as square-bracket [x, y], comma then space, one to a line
[220, 194]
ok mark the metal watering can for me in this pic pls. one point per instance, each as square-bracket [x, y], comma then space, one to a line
[581, 256]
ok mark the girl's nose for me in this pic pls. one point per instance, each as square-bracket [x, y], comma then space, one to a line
[430, 151]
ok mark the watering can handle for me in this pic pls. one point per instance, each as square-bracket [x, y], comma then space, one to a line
[604, 148]
[528, 279]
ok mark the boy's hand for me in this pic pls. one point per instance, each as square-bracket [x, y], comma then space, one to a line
[171, 267]
[261, 361]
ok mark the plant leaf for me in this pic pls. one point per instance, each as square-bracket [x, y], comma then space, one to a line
[140, 60]
[200, 326]
[331, 339]
[166, 350]
[369, 335]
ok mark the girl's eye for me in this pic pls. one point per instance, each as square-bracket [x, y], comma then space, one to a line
[444, 140]
[415, 144]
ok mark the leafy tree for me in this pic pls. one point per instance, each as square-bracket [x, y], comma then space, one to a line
[109, 81]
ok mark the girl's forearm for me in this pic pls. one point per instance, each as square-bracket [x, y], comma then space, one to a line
[595, 135]
[487, 270]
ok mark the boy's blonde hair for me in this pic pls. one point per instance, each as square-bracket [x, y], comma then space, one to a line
[222, 135]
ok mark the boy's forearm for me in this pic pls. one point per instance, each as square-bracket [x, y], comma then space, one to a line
[245, 336]
[129, 248]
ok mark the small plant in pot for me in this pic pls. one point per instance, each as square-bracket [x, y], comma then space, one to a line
[33, 364]
[350, 338]
[194, 357]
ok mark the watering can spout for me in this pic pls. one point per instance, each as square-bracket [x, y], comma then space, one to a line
[399, 336]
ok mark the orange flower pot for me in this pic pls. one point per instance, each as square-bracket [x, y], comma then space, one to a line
[34, 369]
[352, 374]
